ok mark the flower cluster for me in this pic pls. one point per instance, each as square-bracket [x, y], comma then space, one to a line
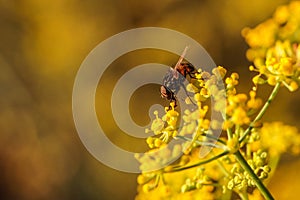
[197, 182]
[241, 150]
[278, 138]
[165, 127]
[157, 158]
[241, 180]
[274, 48]
[239, 107]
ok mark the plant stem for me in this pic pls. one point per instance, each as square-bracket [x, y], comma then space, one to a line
[223, 169]
[203, 143]
[264, 191]
[213, 137]
[262, 111]
[199, 163]
[244, 196]
[229, 133]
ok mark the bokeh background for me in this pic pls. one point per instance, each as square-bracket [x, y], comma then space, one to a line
[43, 43]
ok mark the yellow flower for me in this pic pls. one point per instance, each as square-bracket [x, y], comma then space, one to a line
[254, 103]
[281, 14]
[261, 36]
[278, 138]
[170, 184]
[233, 144]
[232, 80]
[219, 71]
[274, 48]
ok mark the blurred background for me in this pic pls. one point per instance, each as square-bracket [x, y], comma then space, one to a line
[42, 45]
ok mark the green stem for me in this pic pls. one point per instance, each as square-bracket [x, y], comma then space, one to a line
[229, 133]
[211, 184]
[264, 191]
[262, 111]
[213, 137]
[199, 163]
[203, 143]
[223, 169]
[243, 195]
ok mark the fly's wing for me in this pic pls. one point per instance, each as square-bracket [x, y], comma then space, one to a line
[179, 62]
[171, 82]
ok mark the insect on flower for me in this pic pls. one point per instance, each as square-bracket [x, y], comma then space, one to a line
[175, 77]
